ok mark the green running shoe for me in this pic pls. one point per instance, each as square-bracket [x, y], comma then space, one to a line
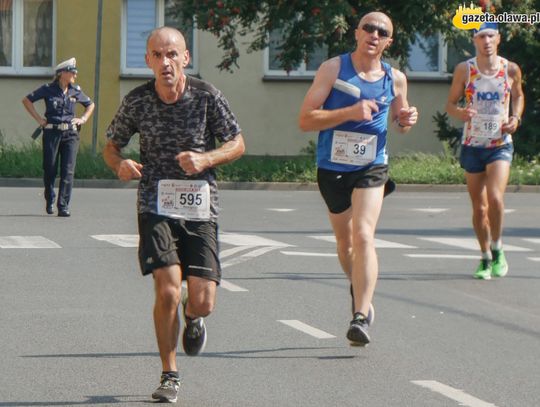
[483, 272]
[499, 267]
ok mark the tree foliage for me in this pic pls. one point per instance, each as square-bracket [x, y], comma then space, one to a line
[307, 24]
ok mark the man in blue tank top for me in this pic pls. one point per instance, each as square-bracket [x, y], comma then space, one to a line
[349, 103]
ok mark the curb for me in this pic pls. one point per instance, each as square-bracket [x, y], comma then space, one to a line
[255, 186]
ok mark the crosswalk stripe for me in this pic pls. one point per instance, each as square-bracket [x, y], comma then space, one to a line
[119, 240]
[236, 239]
[379, 243]
[247, 256]
[288, 253]
[534, 258]
[300, 326]
[27, 242]
[233, 250]
[469, 243]
[532, 240]
[430, 210]
[232, 287]
[442, 256]
[280, 209]
[454, 394]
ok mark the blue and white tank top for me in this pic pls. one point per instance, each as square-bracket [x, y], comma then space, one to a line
[355, 145]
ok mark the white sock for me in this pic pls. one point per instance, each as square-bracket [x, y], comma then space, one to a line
[486, 256]
[496, 244]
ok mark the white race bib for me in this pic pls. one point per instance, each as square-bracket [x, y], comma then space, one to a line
[184, 199]
[353, 148]
[486, 126]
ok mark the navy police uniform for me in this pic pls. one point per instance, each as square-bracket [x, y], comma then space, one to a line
[60, 138]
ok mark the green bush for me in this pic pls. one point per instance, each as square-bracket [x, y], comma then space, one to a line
[407, 169]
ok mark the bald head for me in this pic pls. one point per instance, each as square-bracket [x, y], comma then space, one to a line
[167, 35]
[379, 19]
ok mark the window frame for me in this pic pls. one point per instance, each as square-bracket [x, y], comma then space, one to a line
[160, 17]
[442, 72]
[17, 67]
[301, 71]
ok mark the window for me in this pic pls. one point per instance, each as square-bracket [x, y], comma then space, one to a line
[140, 18]
[272, 63]
[431, 57]
[27, 37]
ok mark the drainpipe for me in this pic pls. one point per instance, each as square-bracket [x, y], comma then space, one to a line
[97, 77]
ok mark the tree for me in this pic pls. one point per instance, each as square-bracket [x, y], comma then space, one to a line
[307, 24]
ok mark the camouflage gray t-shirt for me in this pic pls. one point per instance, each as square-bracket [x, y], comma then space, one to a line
[193, 123]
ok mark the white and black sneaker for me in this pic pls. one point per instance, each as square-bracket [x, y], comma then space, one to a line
[358, 330]
[167, 392]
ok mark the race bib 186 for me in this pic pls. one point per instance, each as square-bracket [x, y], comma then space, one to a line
[353, 148]
[185, 199]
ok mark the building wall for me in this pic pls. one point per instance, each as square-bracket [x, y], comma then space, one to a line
[267, 110]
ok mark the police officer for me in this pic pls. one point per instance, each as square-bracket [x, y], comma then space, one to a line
[60, 131]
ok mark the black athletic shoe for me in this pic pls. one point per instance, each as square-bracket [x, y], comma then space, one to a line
[371, 314]
[389, 187]
[167, 392]
[194, 337]
[358, 330]
[49, 209]
[64, 213]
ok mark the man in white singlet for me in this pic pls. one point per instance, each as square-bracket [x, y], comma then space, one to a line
[491, 87]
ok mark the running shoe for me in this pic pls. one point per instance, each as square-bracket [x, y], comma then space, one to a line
[499, 266]
[371, 313]
[483, 272]
[358, 330]
[194, 336]
[167, 392]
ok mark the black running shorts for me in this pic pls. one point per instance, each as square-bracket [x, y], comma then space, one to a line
[337, 187]
[194, 245]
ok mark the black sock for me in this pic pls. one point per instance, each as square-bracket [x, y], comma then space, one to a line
[173, 373]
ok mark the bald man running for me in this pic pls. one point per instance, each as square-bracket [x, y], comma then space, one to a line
[349, 103]
[178, 119]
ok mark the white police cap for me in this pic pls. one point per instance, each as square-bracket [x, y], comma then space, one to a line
[69, 65]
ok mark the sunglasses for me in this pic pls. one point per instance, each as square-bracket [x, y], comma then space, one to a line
[370, 28]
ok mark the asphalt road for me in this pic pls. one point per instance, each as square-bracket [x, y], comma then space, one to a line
[76, 316]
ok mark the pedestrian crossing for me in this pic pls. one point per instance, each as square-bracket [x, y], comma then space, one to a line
[239, 248]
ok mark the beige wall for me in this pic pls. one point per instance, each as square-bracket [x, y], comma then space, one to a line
[267, 110]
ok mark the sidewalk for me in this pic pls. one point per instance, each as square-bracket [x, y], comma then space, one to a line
[258, 186]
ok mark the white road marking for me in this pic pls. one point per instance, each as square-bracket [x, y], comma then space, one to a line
[537, 241]
[430, 210]
[27, 242]
[287, 253]
[534, 258]
[460, 396]
[280, 209]
[233, 250]
[248, 240]
[317, 333]
[470, 243]
[379, 243]
[119, 240]
[247, 256]
[509, 210]
[232, 287]
[443, 256]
